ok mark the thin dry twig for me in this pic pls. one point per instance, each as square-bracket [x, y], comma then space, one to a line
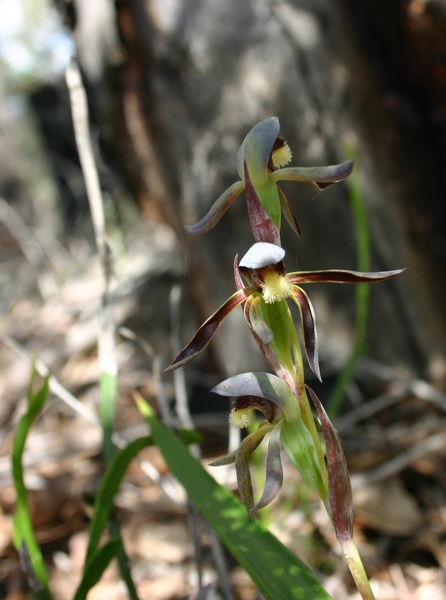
[79, 107]
[436, 443]
[170, 487]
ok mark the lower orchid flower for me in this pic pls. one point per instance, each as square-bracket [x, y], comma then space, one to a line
[278, 404]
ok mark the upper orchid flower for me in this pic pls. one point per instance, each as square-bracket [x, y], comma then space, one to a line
[265, 306]
[260, 161]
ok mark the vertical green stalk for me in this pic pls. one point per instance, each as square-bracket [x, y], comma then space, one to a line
[304, 404]
[275, 315]
[362, 295]
[357, 570]
[107, 410]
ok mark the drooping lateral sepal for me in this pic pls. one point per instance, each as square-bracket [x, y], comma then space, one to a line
[243, 454]
[309, 328]
[274, 469]
[217, 210]
[206, 332]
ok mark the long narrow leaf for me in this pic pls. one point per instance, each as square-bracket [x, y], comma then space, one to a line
[278, 574]
[99, 561]
[109, 486]
[24, 539]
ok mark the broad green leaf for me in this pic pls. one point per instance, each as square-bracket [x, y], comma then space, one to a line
[278, 574]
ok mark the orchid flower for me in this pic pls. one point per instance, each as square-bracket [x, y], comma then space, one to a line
[264, 300]
[260, 164]
[284, 425]
[273, 398]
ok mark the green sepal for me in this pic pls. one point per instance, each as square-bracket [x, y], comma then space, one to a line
[300, 447]
[276, 317]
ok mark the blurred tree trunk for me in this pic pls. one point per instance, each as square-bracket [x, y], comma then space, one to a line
[177, 85]
[396, 55]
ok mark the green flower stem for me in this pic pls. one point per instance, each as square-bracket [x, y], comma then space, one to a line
[362, 296]
[356, 567]
[304, 403]
[276, 317]
[107, 410]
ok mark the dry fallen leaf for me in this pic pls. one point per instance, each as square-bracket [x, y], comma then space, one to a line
[388, 508]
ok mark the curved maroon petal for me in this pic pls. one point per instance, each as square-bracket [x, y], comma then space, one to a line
[340, 276]
[237, 277]
[309, 328]
[206, 332]
[243, 454]
[217, 210]
[340, 503]
[257, 325]
[274, 470]
[288, 212]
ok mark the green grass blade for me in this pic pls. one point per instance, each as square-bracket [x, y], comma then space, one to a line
[23, 535]
[99, 561]
[362, 295]
[109, 486]
[278, 574]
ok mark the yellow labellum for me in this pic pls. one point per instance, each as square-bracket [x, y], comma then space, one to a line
[281, 156]
[240, 417]
[275, 287]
